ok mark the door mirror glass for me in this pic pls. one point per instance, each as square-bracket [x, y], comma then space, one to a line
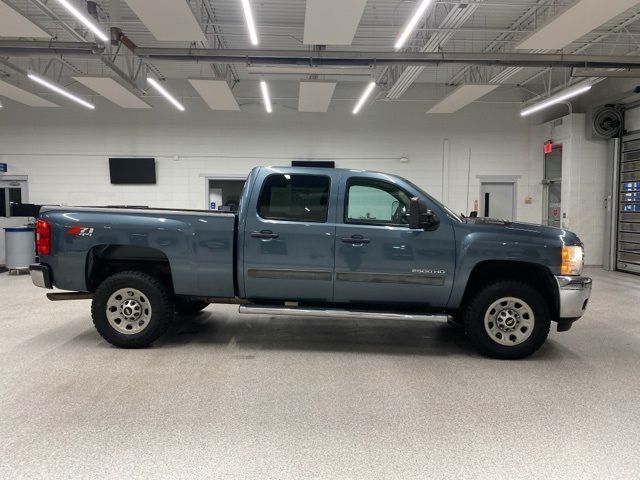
[421, 217]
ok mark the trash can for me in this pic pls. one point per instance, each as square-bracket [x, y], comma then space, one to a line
[19, 247]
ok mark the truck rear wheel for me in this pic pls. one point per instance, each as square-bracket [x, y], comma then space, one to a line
[189, 307]
[508, 320]
[132, 309]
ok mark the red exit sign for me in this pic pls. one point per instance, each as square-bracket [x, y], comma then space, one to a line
[547, 147]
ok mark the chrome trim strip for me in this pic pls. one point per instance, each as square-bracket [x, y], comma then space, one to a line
[373, 277]
[289, 274]
[335, 313]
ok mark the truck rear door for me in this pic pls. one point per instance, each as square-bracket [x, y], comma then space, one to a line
[289, 236]
[379, 259]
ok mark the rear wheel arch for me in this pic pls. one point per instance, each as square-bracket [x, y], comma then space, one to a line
[103, 261]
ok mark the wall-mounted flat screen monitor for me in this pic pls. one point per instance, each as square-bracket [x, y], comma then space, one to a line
[132, 171]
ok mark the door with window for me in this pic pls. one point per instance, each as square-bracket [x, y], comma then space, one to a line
[553, 187]
[12, 192]
[289, 238]
[379, 259]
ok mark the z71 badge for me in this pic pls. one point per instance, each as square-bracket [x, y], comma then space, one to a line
[80, 231]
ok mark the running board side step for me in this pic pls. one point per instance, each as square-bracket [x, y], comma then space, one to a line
[336, 313]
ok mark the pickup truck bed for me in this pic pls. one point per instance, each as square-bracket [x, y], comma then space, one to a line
[198, 246]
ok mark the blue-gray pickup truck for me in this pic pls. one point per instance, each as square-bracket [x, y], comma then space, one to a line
[316, 242]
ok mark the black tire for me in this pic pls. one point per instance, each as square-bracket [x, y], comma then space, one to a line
[474, 321]
[159, 298]
[190, 307]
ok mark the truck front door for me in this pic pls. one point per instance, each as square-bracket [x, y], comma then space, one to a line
[379, 259]
[289, 238]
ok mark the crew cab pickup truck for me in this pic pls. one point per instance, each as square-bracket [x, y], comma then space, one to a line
[316, 241]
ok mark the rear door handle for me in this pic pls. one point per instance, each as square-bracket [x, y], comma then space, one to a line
[264, 234]
[355, 240]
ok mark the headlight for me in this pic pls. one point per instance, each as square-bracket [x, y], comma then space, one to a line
[572, 260]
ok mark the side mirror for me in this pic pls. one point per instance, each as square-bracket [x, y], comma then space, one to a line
[421, 218]
[473, 214]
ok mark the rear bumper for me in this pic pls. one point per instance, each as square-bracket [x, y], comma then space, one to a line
[574, 293]
[40, 275]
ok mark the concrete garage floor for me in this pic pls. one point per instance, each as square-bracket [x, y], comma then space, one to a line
[225, 396]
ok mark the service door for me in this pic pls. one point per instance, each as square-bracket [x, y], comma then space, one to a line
[379, 259]
[289, 238]
[497, 200]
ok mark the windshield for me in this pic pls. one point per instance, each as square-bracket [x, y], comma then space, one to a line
[450, 212]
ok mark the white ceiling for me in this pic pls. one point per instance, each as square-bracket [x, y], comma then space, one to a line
[495, 25]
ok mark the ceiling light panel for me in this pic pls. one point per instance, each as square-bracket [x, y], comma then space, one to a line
[216, 93]
[22, 96]
[574, 23]
[332, 22]
[112, 91]
[168, 20]
[315, 96]
[165, 93]
[461, 97]
[14, 24]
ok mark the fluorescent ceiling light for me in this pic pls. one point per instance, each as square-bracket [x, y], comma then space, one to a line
[304, 70]
[19, 95]
[332, 22]
[461, 97]
[14, 24]
[265, 95]
[417, 15]
[155, 84]
[216, 93]
[86, 21]
[58, 89]
[364, 97]
[248, 16]
[557, 98]
[112, 91]
[574, 23]
[168, 20]
[315, 96]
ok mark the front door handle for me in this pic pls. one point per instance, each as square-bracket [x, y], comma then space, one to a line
[355, 240]
[264, 234]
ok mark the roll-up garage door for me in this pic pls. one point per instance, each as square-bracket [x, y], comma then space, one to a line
[629, 208]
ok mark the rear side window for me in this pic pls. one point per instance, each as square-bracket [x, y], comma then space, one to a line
[303, 198]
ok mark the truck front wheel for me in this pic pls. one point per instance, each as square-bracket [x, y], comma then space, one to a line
[132, 309]
[507, 319]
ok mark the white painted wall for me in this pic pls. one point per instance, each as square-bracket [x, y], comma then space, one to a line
[64, 151]
[584, 164]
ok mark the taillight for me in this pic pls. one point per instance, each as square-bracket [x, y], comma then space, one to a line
[43, 237]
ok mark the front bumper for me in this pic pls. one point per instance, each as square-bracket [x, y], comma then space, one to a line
[40, 275]
[574, 296]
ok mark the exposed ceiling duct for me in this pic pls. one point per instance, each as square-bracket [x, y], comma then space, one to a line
[339, 58]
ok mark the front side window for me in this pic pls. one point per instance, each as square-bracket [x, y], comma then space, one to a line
[303, 198]
[376, 202]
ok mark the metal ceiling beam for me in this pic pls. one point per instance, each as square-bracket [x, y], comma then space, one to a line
[328, 58]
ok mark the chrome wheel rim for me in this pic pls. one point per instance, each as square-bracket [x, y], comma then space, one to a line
[128, 311]
[509, 321]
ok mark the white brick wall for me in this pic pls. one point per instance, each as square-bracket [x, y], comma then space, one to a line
[64, 151]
